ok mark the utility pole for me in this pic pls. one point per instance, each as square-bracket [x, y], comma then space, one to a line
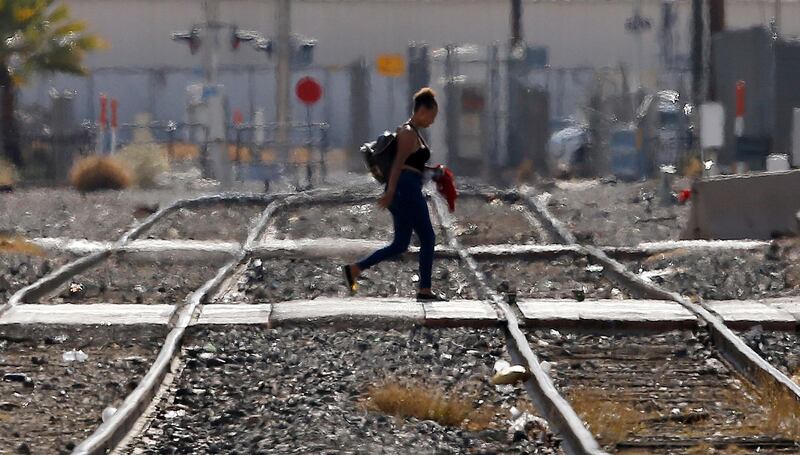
[514, 73]
[516, 23]
[777, 30]
[217, 143]
[698, 32]
[210, 50]
[283, 75]
[716, 24]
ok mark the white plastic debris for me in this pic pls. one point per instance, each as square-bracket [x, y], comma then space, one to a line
[511, 375]
[616, 294]
[501, 365]
[546, 366]
[75, 356]
[173, 414]
[108, 412]
[594, 268]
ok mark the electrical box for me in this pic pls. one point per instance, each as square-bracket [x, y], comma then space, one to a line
[466, 135]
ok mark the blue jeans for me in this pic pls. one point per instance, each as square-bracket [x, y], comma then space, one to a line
[409, 211]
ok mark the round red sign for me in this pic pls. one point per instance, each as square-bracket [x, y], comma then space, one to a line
[308, 90]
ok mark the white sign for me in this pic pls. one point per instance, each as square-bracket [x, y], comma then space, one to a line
[712, 125]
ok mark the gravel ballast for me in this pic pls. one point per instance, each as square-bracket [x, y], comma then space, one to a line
[49, 405]
[724, 275]
[618, 214]
[103, 215]
[347, 221]
[120, 281]
[224, 222]
[490, 221]
[249, 390]
[781, 349]
[652, 390]
[20, 270]
[295, 279]
[561, 278]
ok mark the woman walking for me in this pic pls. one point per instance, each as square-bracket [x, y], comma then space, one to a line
[404, 199]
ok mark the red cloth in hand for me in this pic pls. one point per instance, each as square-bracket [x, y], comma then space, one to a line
[446, 185]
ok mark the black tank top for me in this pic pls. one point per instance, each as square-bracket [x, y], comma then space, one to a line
[418, 159]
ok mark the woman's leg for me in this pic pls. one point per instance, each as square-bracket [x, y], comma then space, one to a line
[427, 241]
[402, 239]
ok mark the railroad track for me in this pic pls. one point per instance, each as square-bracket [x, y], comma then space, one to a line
[652, 431]
[682, 392]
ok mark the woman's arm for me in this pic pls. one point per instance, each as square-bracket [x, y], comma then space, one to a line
[406, 144]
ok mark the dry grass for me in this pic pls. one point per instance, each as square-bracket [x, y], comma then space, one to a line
[269, 156]
[671, 255]
[771, 409]
[94, 173]
[8, 174]
[428, 403]
[182, 151]
[705, 449]
[609, 420]
[299, 155]
[145, 161]
[15, 244]
[693, 168]
[783, 410]
[240, 154]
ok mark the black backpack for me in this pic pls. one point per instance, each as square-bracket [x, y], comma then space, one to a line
[379, 155]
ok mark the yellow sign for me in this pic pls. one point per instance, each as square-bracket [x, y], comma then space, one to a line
[391, 65]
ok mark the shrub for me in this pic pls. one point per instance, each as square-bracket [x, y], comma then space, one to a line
[241, 155]
[8, 174]
[145, 161]
[94, 173]
[183, 151]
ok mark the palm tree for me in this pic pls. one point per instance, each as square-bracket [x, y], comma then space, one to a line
[36, 36]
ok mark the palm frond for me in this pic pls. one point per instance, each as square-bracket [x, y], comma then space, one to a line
[47, 38]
